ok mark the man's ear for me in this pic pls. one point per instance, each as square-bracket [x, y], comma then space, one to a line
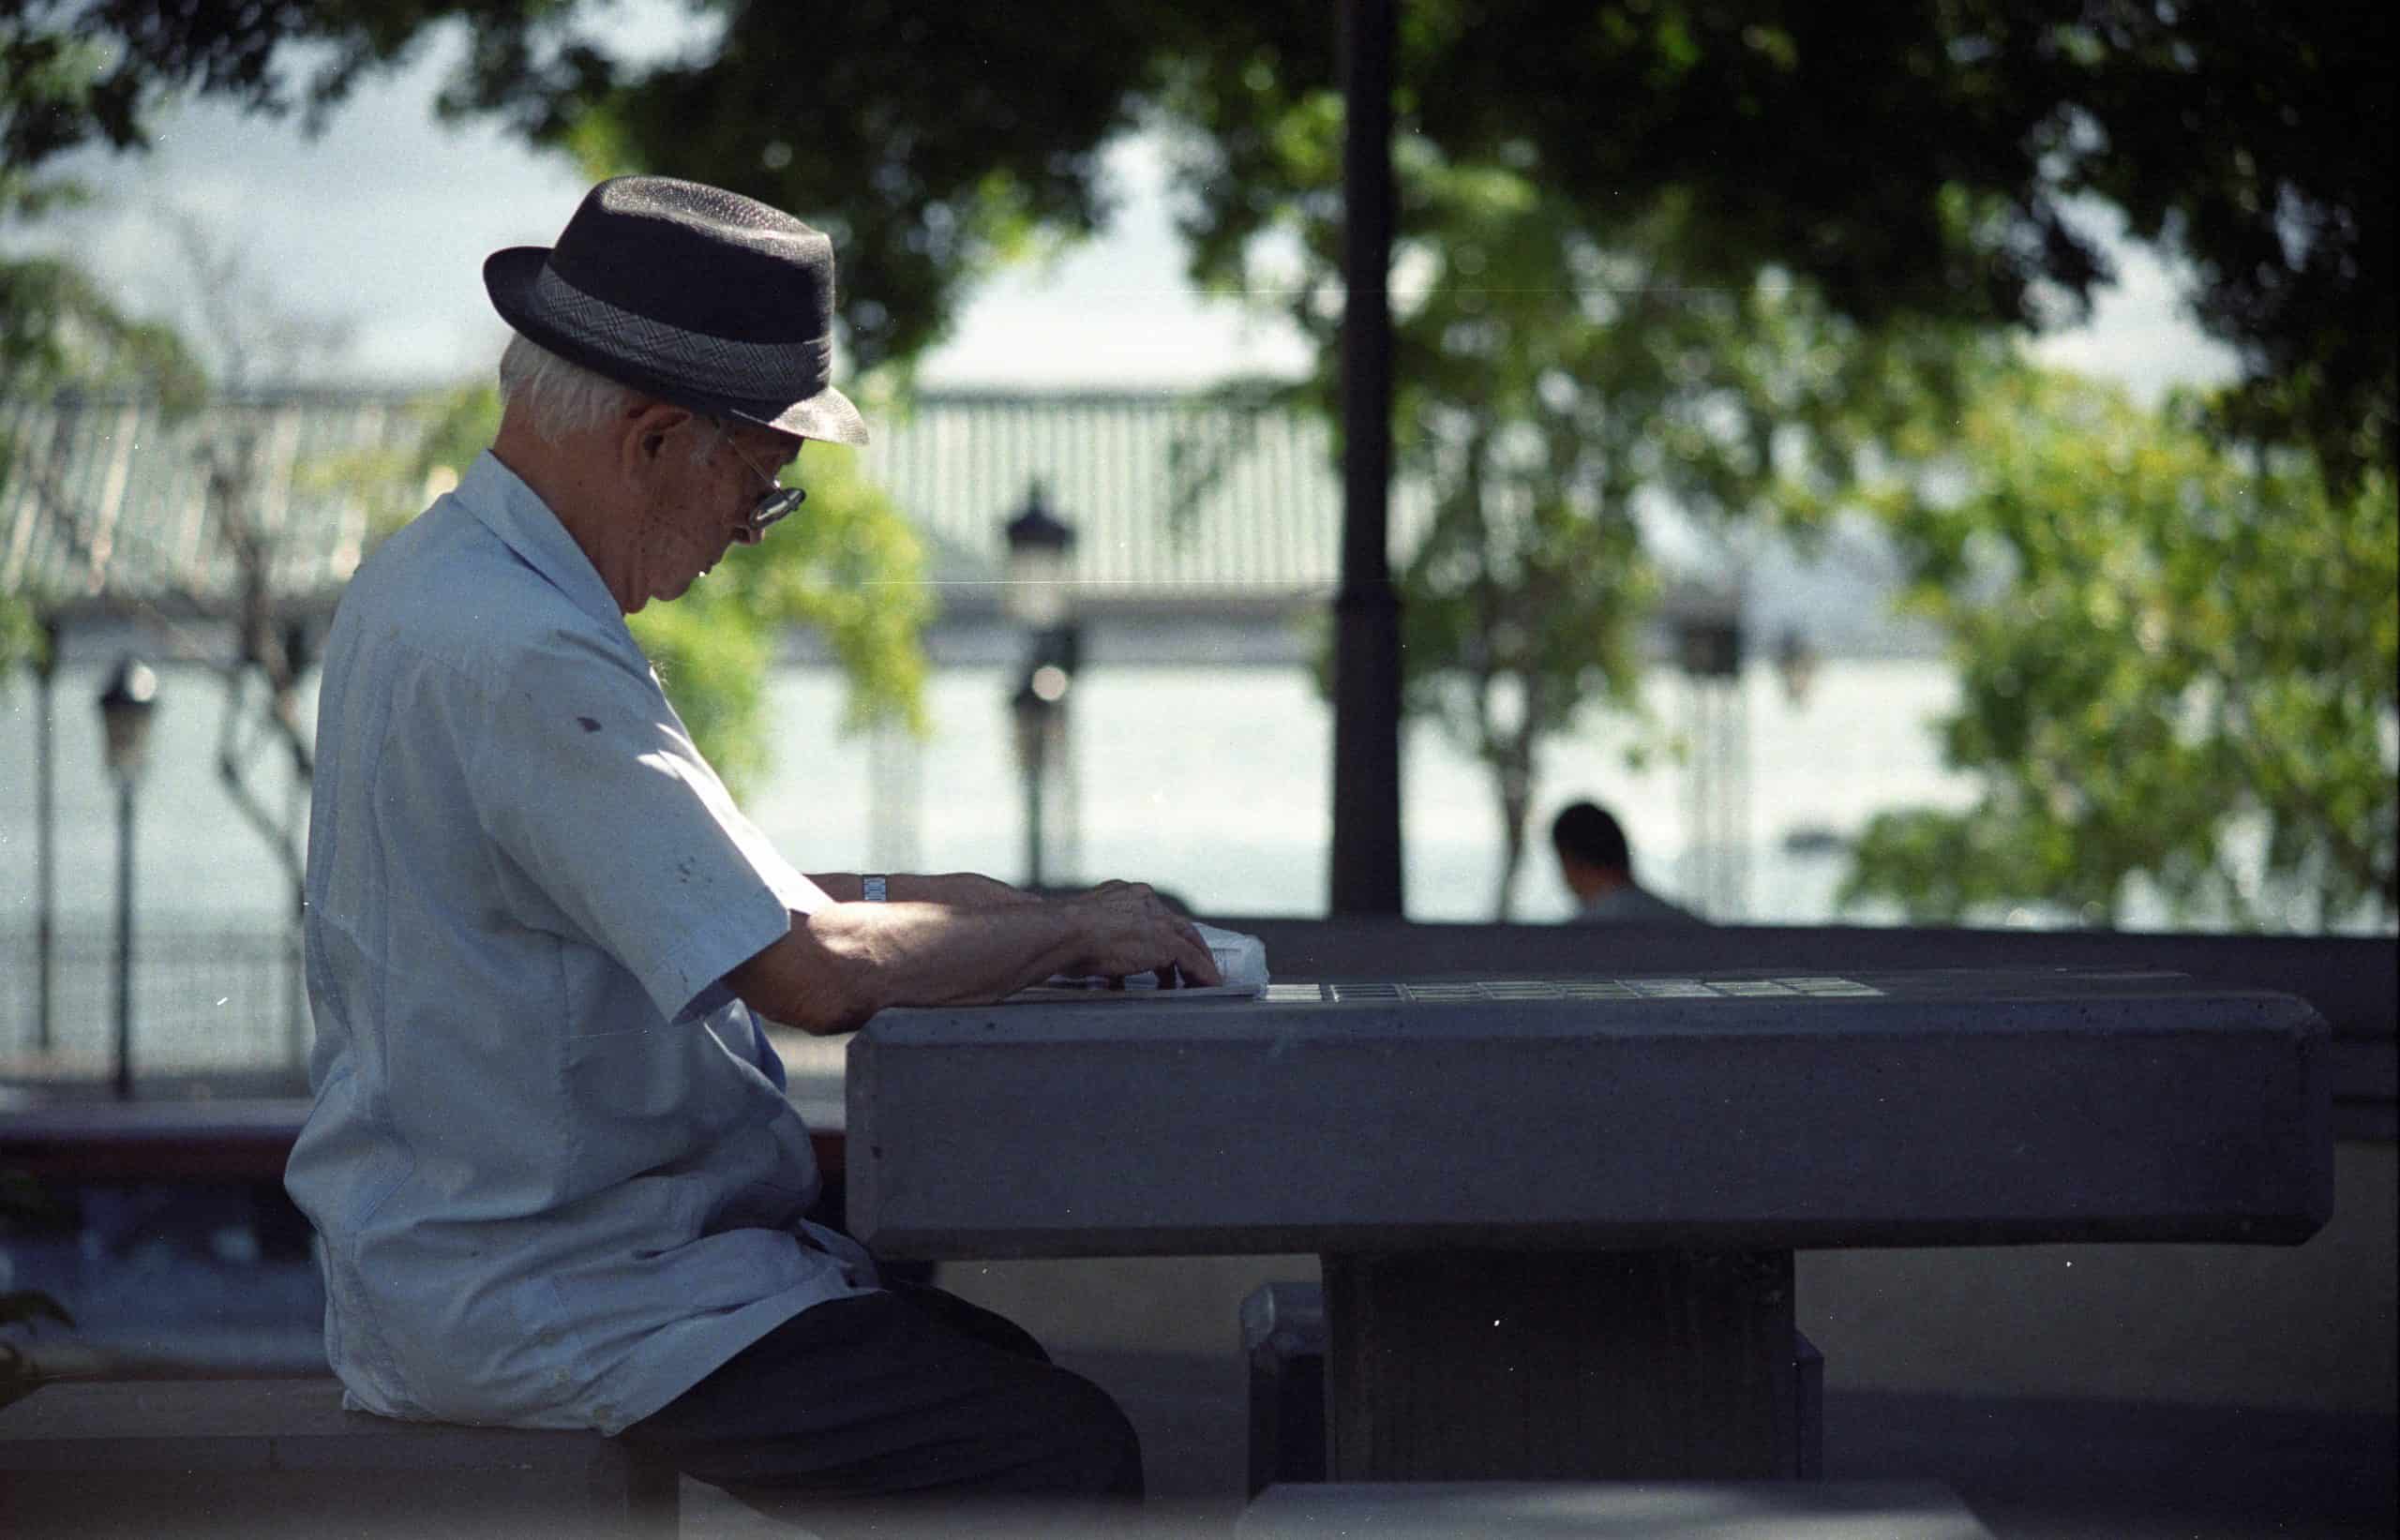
[641, 436]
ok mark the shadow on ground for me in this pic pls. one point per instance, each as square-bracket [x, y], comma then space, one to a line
[2030, 1469]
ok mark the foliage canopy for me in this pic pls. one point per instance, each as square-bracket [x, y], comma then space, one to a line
[2179, 665]
[1825, 189]
[1907, 158]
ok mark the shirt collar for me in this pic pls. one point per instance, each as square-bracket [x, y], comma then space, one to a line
[517, 514]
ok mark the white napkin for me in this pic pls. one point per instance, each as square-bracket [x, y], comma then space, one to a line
[1241, 960]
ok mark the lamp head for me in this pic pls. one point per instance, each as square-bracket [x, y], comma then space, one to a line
[126, 705]
[1038, 542]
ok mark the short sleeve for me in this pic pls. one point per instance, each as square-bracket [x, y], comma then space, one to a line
[582, 775]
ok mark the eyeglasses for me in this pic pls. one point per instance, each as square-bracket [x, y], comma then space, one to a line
[776, 500]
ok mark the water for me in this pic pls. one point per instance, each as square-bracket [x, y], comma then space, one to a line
[1218, 783]
[1214, 782]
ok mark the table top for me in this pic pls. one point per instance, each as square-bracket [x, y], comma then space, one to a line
[1776, 1109]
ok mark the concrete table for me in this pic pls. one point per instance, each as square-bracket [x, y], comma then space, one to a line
[1557, 1216]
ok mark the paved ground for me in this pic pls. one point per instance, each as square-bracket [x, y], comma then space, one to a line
[2058, 1470]
[189, 1285]
[2030, 1470]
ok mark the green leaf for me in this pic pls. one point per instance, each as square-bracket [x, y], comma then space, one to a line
[2178, 665]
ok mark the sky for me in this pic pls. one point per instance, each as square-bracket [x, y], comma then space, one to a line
[381, 224]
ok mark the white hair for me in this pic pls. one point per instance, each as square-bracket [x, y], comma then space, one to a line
[559, 399]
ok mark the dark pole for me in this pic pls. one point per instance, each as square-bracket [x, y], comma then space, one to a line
[1034, 767]
[295, 992]
[1030, 716]
[1366, 647]
[46, 839]
[126, 705]
[124, 938]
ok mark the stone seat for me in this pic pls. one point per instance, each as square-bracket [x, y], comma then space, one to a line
[243, 1459]
[1611, 1510]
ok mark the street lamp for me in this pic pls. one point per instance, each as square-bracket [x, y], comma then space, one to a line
[1709, 647]
[126, 705]
[1036, 596]
[1035, 592]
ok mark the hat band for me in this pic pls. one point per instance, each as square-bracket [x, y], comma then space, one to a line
[715, 366]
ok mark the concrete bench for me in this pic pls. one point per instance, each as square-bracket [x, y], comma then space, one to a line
[246, 1459]
[1556, 1217]
[1609, 1510]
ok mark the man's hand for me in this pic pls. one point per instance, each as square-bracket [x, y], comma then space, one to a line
[1124, 928]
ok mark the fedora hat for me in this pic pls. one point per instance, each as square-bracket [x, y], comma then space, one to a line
[690, 293]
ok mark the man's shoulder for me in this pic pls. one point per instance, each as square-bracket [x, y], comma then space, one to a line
[1634, 905]
[445, 587]
[1641, 904]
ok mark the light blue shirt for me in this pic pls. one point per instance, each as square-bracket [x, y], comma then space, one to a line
[1632, 905]
[553, 1174]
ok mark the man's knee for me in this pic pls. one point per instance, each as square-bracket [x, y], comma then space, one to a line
[1091, 1448]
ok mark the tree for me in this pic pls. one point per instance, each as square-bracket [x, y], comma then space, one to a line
[847, 569]
[59, 330]
[1558, 381]
[2178, 666]
[1900, 164]
[254, 337]
[1907, 158]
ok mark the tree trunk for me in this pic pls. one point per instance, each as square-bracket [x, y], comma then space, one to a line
[1512, 855]
[1511, 759]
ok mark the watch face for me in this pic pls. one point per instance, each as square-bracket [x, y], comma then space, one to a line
[876, 890]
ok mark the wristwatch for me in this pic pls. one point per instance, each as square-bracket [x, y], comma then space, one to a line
[877, 889]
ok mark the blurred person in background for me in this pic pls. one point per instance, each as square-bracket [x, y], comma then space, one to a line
[1597, 868]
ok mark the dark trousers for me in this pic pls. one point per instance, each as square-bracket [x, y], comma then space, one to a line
[872, 1414]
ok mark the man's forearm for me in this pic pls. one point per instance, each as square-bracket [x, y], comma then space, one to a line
[960, 890]
[840, 965]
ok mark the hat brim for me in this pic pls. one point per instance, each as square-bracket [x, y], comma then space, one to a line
[509, 277]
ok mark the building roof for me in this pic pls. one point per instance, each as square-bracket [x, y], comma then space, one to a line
[105, 506]
[1179, 502]
[1174, 499]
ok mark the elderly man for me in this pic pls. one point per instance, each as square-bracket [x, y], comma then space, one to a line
[555, 1179]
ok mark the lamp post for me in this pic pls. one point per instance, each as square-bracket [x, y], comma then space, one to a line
[1709, 648]
[1035, 596]
[1039, 711]
[1795, 659]
[126, 705]
[46, 835]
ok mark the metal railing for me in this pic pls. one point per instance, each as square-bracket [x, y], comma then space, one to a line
[206, 999]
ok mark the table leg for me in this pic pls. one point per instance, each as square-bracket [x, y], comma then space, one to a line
[1446, 1366]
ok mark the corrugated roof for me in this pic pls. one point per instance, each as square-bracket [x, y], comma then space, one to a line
[1260, 505]
[106, 503]
[1261, 517]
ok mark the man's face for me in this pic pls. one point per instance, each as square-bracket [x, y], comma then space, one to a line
[698, 504]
